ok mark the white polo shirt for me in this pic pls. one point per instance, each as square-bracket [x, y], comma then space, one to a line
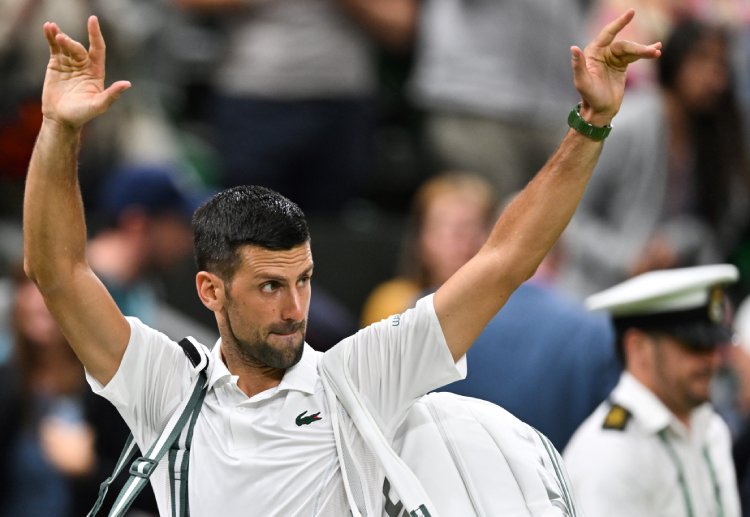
[646, 462]
[273, 453]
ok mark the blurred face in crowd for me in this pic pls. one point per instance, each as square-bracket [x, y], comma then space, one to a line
[453, 229]
[680, 376]
[170, 239]
[33, 321]
[703, 77]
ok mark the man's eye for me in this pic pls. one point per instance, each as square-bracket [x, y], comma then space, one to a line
[269, 287]
[303, 281]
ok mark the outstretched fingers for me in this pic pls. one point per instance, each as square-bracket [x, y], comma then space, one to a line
[51, 30]
[70, 47]
[613, 28]
[114, 91]
[629, 51]
[97, 47]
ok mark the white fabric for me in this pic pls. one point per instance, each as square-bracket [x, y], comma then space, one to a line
[248, 453]
[453, 455]
[630, 472]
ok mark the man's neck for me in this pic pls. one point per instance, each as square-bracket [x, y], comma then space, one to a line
[251, 379]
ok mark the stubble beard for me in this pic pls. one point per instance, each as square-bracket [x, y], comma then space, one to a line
[258, 352]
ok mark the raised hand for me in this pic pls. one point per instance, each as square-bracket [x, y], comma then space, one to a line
[599, 70]
[74, 91]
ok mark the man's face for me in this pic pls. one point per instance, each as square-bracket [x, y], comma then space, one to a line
[170, 240]
[453, 230]
[267, 304]
[704, 76]
[682, 375]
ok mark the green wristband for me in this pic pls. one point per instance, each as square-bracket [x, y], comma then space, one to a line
[575, 121]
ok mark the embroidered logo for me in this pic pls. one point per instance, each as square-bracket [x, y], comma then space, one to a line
[306, 420]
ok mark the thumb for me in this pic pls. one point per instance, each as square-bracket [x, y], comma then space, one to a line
[578, 64]
[106, 98]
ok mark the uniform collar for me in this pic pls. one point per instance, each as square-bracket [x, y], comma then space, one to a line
[652, 414]
[303, 376]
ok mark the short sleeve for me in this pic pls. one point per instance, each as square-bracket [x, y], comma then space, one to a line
[153, 378]
[393, 362]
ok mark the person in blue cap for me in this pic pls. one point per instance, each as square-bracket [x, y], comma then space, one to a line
[656, 446]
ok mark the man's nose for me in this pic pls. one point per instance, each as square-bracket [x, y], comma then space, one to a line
[293, 308]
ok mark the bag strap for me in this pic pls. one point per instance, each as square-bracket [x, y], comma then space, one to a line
[179, 452]
[142, 467]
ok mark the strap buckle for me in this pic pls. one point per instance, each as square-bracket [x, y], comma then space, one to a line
[143, 467]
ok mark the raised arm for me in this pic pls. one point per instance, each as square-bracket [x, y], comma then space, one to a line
[53, 225]
[532, 223]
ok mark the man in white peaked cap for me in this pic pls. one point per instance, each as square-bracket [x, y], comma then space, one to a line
[656, 446]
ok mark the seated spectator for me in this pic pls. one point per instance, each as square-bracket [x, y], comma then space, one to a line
[45, 445]
[451, 216]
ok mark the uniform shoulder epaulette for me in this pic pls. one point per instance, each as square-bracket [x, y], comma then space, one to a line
[617, 418]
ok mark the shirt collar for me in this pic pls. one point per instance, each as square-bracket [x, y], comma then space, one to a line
[652, 413]
[303, 376]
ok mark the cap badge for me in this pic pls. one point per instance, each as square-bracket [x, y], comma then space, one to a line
[716, 305]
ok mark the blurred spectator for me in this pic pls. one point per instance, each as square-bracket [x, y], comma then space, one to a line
[656, 20]
[294, 107]
[45, 443]
[143, 45]
[539, 338]
[451, 218]
[671, 187]
[145, 215]
[21, 60]
[494, 81]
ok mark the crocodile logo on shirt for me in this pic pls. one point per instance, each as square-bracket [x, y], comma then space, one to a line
[306, 420]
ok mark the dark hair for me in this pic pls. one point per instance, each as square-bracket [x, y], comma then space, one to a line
[684, 37]
[715, 135]
[244, 215]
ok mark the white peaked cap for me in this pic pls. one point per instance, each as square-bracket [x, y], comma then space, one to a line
[663, 291]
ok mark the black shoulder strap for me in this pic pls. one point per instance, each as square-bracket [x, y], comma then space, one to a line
[191, 351]
[142, 468]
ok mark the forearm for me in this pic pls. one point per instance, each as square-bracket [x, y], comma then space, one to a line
[522, 236]
[390, 22]
[533, 222]
[53, 225]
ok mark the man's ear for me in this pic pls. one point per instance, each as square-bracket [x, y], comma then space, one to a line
[210, 290]
[637, 349]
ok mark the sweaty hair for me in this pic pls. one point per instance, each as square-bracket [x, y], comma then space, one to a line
[244, 215]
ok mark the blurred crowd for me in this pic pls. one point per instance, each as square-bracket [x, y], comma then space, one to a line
[401, 127]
